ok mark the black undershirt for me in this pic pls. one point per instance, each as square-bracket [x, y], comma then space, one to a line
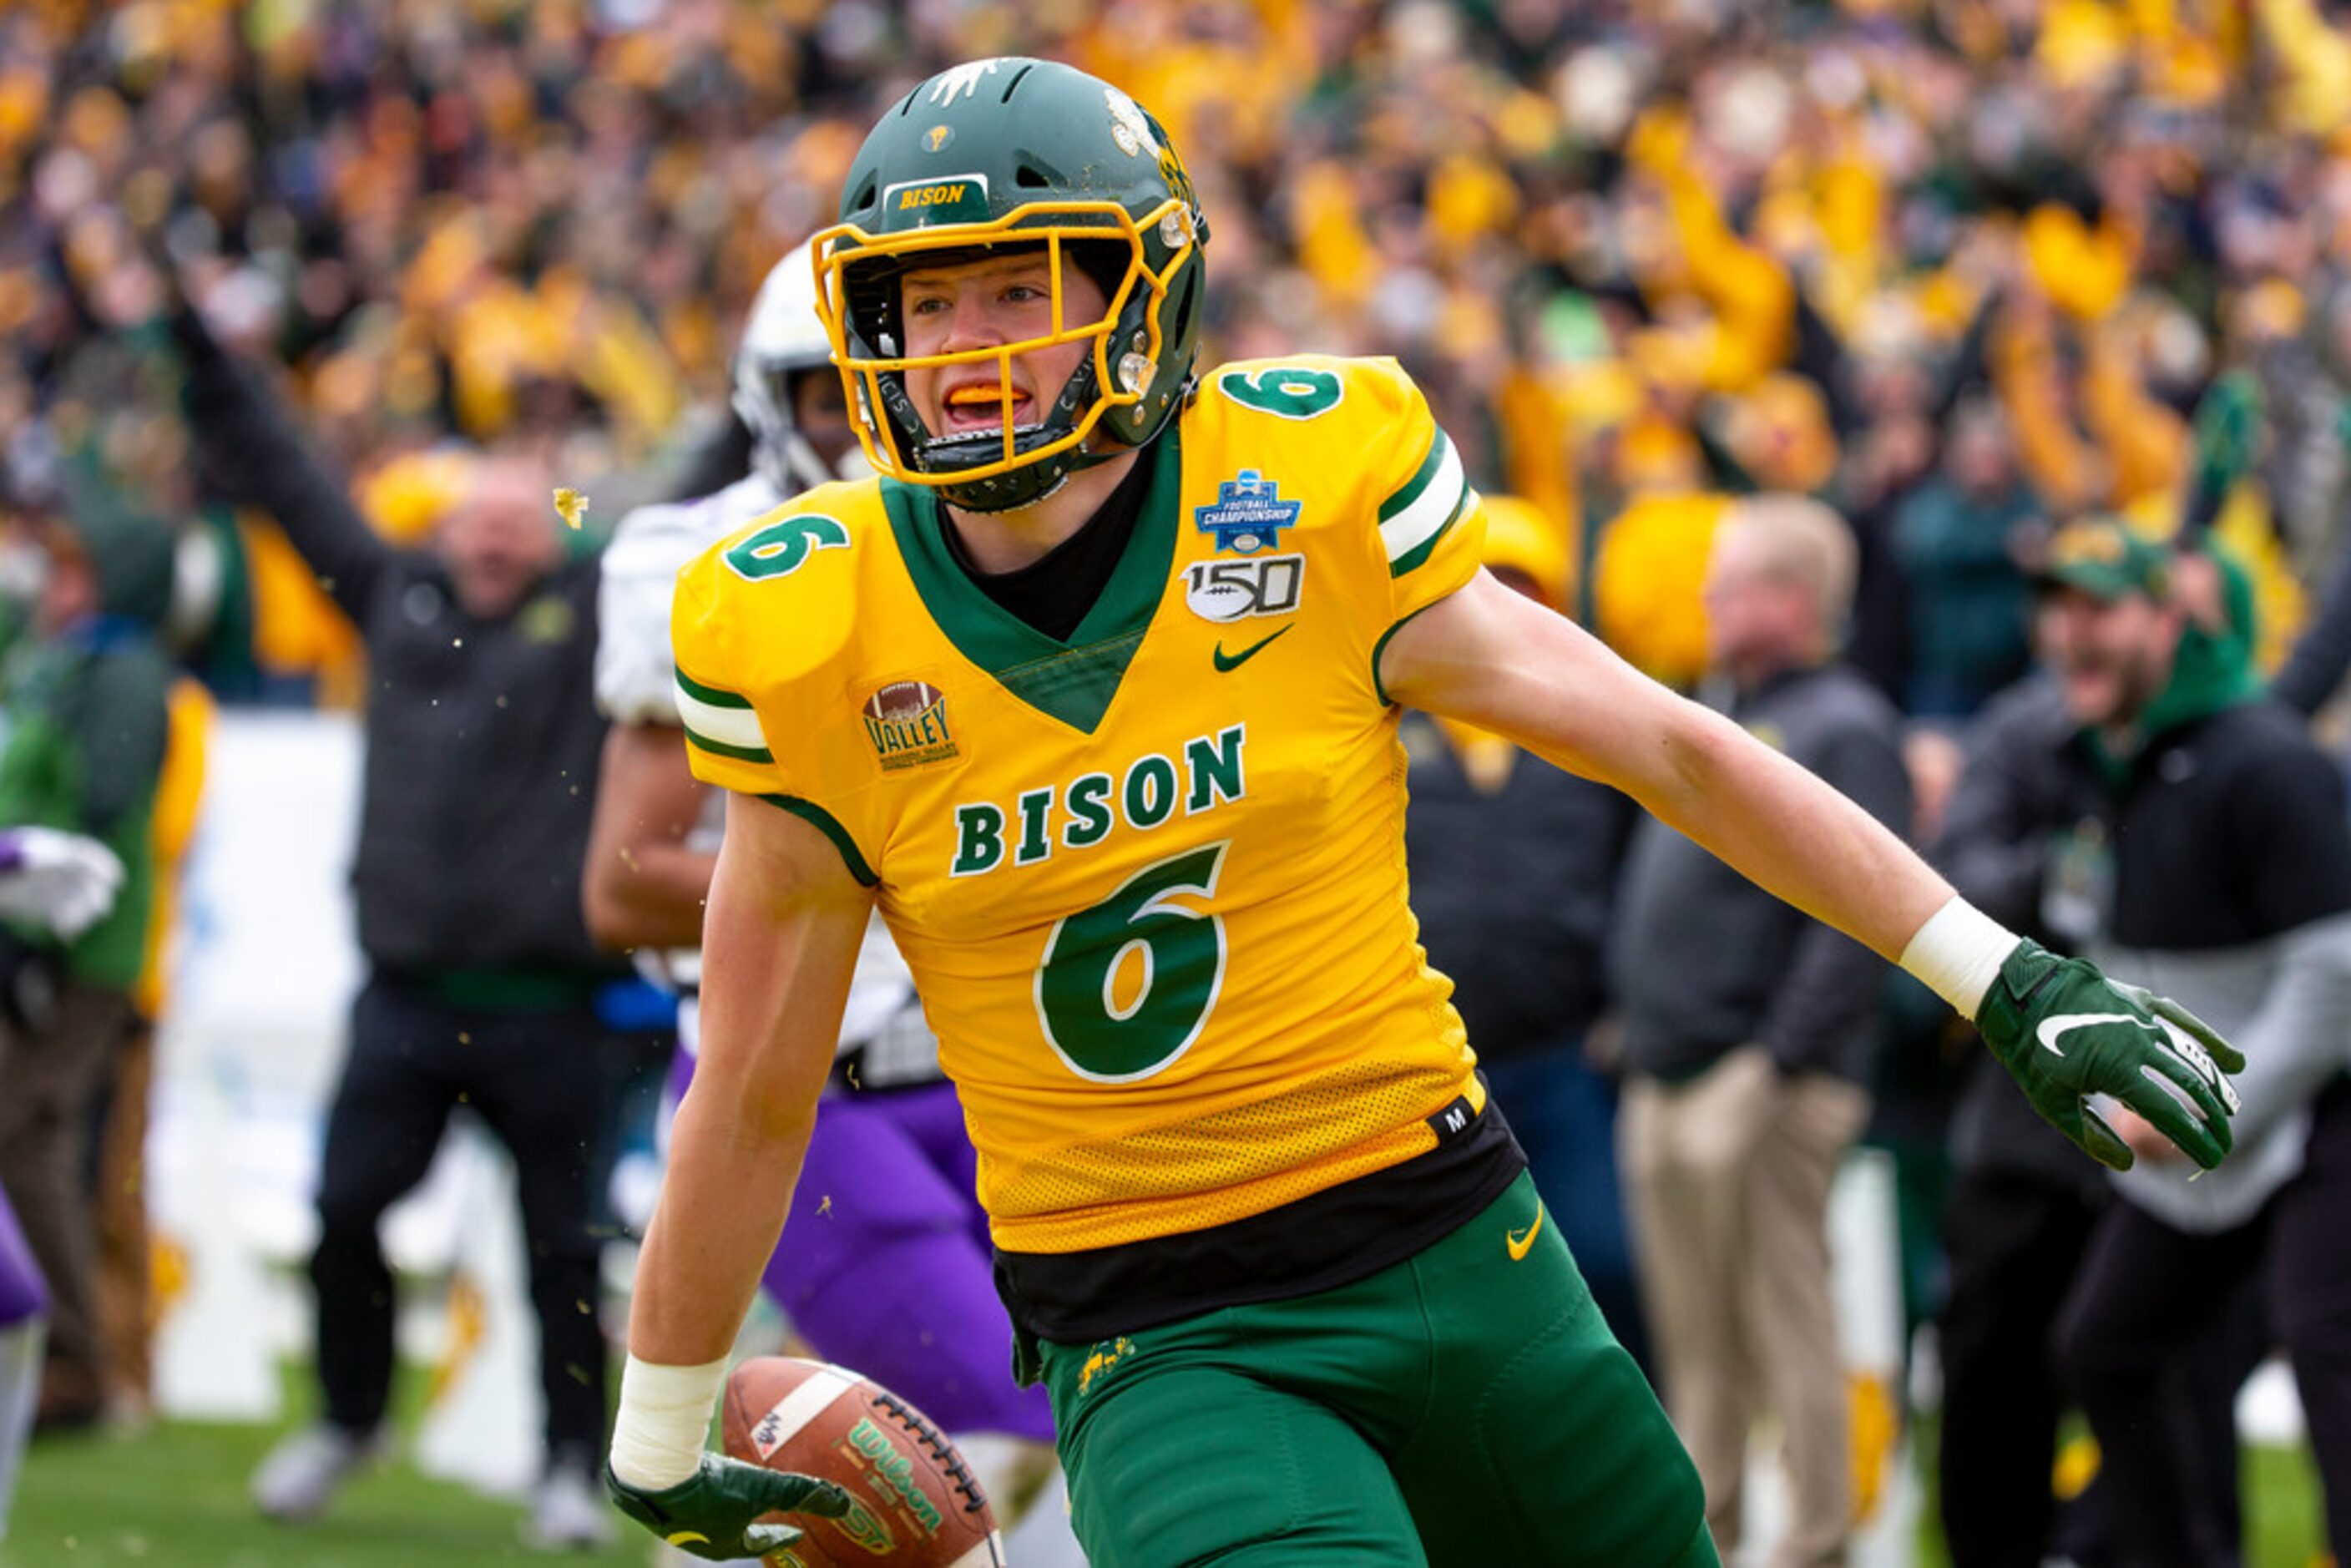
[1054, 592]
[1332, 1239]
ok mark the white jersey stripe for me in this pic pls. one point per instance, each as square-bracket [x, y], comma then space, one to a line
[1418, 523]
[736, 727]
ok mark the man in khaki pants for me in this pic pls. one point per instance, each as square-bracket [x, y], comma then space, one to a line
[1748, 1031]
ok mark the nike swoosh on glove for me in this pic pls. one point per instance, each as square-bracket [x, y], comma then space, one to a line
[2066, 1031]
[711, 1513]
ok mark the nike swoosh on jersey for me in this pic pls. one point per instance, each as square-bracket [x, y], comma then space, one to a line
[1521, 1244]
[1227, 663]
[2059, 1024]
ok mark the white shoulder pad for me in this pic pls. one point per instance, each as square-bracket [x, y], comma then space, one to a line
[880, 987]
[635, 674]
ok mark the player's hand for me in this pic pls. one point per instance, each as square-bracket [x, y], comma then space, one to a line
[709, 1514]
[2145, 1138]
[62, 881]
[2066, 1031]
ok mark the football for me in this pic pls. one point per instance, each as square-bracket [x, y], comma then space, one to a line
[915, 1501]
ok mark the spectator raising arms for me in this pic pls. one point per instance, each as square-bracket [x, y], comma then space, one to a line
[482, 742]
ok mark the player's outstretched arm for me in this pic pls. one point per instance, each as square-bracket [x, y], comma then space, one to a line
[779, 946]
[1495, 659]
[642, 885]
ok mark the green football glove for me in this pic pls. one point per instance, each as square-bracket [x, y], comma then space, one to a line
[709, 1514]
[2064, 1031]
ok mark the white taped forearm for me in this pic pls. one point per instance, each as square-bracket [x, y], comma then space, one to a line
[1957, 953]
[664, 1421]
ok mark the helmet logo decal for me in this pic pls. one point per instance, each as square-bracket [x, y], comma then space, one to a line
[1128, 125]
[937, 138]
[961, 81]
[949, 199]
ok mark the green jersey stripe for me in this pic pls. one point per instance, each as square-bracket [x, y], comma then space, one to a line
[720, 748]
[1438, 504]
[718, 724]
[712, 696]
[1409, 491]
[1411, 558]
[826, 822]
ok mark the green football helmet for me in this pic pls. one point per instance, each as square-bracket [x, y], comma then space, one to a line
[1004, 154]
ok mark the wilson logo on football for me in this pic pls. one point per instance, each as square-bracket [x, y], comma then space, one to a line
[896, 1475]
[907, 722]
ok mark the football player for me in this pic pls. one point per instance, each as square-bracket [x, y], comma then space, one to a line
[884, 1266]
[1094, 692]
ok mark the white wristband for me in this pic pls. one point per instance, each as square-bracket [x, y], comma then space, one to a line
[1957, 953]
[663, 1422]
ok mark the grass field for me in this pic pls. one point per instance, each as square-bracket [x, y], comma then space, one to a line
[175, 1495]
[2284, 1527]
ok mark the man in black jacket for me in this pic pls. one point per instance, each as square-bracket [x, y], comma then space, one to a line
[483, 739]
[2021, 838]
[1748, 1030]
[2148, 808]
[2226, 879]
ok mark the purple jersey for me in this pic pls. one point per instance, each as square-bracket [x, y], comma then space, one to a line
[22, 1293]
[884, 1263]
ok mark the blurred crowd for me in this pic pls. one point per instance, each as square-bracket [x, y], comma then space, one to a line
[1932, 261]
[1965, 271]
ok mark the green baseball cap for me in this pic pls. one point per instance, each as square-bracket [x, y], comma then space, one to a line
[2105, 558]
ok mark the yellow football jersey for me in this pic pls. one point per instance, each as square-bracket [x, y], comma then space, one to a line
[1150, 880]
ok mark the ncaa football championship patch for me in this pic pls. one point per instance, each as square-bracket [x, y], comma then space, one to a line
[907, 722]
[1247, 514]
[720, 722]
[1418, 515]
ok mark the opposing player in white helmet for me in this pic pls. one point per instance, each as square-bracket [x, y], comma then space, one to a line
[893, 1279]
[793, 447]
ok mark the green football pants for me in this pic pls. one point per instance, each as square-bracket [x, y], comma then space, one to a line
[1465, 1407]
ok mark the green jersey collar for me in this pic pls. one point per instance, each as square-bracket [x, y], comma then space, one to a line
[1074, 681]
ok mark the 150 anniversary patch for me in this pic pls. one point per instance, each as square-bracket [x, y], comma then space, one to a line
[1225, 590]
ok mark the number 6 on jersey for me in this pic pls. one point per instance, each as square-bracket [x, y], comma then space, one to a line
[1109, 1024]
